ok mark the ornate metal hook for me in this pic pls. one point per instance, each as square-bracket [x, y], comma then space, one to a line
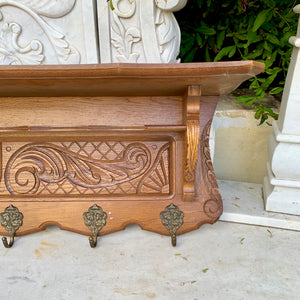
[11, 241]
[95, 220]
[11, 220]
[172, 219]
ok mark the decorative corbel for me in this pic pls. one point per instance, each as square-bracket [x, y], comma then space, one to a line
[192, 116]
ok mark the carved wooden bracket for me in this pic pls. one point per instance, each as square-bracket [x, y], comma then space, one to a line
[192, 140]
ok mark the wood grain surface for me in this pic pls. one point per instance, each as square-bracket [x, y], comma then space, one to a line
[125, 79]
[131, 138]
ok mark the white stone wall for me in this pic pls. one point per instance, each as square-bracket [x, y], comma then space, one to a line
[241, 146]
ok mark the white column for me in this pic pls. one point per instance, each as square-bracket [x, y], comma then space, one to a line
[282, 185]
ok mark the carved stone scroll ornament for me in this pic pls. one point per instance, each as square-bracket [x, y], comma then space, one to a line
[145, 30]
[167, 29]
[50, 8]
[11, 52]
[123, 38]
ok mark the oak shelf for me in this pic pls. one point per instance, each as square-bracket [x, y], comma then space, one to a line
[130, 142]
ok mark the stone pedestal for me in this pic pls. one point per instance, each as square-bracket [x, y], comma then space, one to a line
[282, 185]
[34, 32]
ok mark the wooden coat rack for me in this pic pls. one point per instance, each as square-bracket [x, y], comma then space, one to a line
[93, 148]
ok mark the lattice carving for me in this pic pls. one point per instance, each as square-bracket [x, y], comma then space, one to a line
[89, 168]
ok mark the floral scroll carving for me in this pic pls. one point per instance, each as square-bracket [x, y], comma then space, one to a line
[212, 207]
[100, 168]
[12, 52]
[124, 38]
[50, 8]
[145, 30]
[168, 31]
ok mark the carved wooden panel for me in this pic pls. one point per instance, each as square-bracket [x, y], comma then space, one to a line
[86, 168]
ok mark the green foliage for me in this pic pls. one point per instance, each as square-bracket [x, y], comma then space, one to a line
[111, 4]
[214, 30]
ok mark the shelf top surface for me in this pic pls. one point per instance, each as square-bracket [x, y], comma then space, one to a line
[124, 79]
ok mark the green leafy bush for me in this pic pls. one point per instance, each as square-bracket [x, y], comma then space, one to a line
[214, 30]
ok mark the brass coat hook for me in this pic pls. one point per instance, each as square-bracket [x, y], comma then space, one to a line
[11, 220]
[94, 219]
[11, 241]
[172, 219]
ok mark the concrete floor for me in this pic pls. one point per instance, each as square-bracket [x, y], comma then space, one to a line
[220, 261]
[243, 203]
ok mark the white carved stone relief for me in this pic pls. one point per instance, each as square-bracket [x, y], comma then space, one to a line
[47, 32]
[64, 31]
[168, 34]
[139, 31]
[11, 53]
[123, 38]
